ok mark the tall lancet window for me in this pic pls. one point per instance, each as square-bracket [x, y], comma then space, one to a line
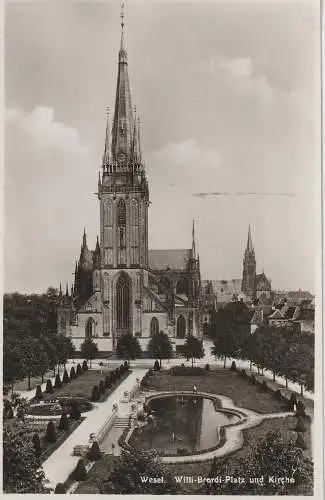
[121, 232]
[123, 302]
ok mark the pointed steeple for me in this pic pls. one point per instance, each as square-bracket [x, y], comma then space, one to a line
[67, 290]
[107, 149]
[97, 256]
[84, 239]
[60, 290]
[249, 246]
[193, 240]
[123, 125]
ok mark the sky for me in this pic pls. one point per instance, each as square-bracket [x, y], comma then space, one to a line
[227, 93]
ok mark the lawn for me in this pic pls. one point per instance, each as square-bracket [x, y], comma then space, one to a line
[224, 382]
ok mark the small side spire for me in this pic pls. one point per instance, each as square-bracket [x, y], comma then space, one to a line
[107, 149]
[67, 290]
[60, 290]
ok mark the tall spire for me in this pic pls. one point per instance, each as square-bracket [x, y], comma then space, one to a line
[106, 156]
[123, 117]
[193, 240]
[249, 246]
[84, 239]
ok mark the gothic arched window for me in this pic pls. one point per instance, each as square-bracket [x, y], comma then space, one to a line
[123, 302]
[180, 327]
[90, 328]
[154, 326]
[121, 227]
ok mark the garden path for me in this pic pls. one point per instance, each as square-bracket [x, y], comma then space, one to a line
[61, 463]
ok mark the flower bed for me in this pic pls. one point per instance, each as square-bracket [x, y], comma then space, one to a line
[59, 405]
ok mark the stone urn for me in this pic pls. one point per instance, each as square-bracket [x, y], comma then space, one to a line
[126, 397]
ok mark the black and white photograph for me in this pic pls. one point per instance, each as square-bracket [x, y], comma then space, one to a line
[162, 279]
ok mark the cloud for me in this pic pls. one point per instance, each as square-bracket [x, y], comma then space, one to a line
[49, 180]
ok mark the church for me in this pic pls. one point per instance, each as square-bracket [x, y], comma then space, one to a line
[253, 288]
[122, 286]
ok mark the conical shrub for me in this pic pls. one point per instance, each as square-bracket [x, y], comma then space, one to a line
[57, 383]
[37, 444]
[64, 422]
[49, 387]
[50, 435]
[79, 370]
[65, 379]
[94, 453]
[101, 387]
[300, 442]
[39, 394]
[300, 409]
[60, 489]
[107, 382]
[85, 366]
[75, 411]
[72, 373]
[156, 365]
[300, 427]
[95, 393]
[79, 473]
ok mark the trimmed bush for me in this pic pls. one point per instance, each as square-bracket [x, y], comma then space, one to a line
[57, 383]
[300, 427]
[207, 367]
[264, 385]
[8, 413]
[60, 489]
[94, 453]
[300, 409]
[187, 370]
[37, 444]
[50, 435]
[300, 442]
[113, 376]
[85, 366]
[49, 387]
[39, 394]
[65, 379]
[75, 411]
[117, 373]
[95, 393]
[278, 394]
[156, 366]
[182, 451]
[243, 373]
[252, 378]
[126, 364]
[79, 370]
[79, 473]
[64, 422]
[107, 382]
[233, 367]
[72, 373]
[101, 387]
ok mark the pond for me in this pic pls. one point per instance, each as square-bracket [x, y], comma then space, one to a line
[183, 425]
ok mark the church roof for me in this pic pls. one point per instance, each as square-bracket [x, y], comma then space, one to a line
[160, 260]
[225, 286]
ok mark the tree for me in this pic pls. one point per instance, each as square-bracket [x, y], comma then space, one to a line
[225, 345]
[64, 422]
[272, 456]
[131, 466]
[65, 349]
[50, 349]
[21, 468]
[160, 346]
[50, 434]
[128, 347]
[89, 349]
[193, 348]
[14, 367]
[42, 362]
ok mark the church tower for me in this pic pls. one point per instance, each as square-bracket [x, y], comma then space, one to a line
[249, 268]
[124, 201]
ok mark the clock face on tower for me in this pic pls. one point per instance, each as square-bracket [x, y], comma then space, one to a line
[121, 157]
